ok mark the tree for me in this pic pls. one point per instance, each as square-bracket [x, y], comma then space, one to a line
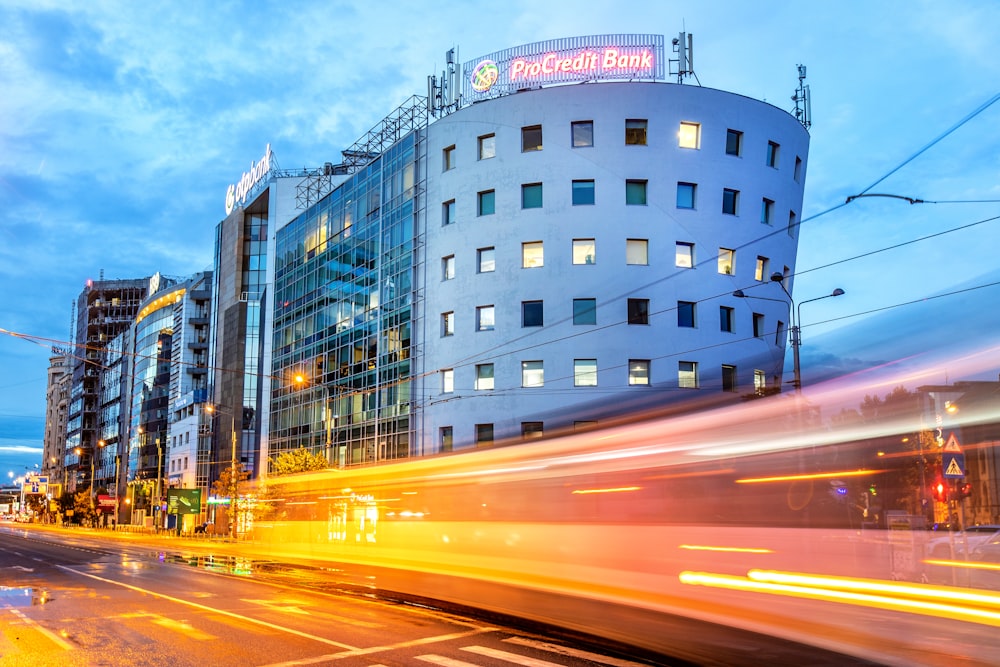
[298, 460]
[229, 485]
[82, 509]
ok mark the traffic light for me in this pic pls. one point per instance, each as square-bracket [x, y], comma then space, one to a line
[963, 491]
[939, 491]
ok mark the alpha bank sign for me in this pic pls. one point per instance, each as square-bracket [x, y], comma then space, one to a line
[567, 60]
[237, 192]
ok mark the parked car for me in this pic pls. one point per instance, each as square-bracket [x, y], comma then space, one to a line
[952, 544]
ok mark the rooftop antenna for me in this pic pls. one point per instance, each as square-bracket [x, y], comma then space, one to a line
[803, 103]
[684, 48]
[442, 94]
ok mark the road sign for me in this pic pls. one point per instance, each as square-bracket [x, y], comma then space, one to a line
[952, 459]
[952, 444]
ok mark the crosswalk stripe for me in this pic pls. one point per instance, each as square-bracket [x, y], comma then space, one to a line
[444, 661]
[573, 652]
[510, 657]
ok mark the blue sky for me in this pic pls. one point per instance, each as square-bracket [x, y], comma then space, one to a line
[122, 124]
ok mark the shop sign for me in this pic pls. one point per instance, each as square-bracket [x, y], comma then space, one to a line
[237, 192]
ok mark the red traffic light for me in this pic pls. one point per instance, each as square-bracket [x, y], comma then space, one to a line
[963, 491]
[939, 491]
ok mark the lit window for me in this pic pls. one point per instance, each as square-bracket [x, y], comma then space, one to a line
[448, 323]
[582, 133]
[447, 380]
[448, 267]
[484, 377]
[448, 212]
[448, 155]
[531, 195]
[684, 255]
[531, 138]
[532, 314]
[585, 372]
[584, 251]
[532, 255]
[487, 202]
[635, 193]
[484, 435]
[584, 311]
[760, 273]
[727, 261]
[487, 260]
[685, 195]
[635, 132]
[689, 135]
[730, 200]
[583, 193]
[758, 325]
[734, 142]
[638, 371]
[638, 311]
[759, 380]
[637, 251]
[767, 211]
[772, 154]
[726, 319]
[447, 438]
[687, 374]
[532, 374]
[531, 430]
[487, 146]
[685, 314]
[485, 318]
[728, 378]
[792, 223]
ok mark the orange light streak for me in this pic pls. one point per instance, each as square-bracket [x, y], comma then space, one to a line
[819, 475]
[748, 550]
[616, 490]
[968, 564]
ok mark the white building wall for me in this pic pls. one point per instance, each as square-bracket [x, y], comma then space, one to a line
[609, 162]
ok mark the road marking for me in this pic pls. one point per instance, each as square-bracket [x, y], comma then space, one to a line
[293, 607]
[573, 652]
[444, 661]
[182, 627]
[247, 619]
[510, 657]
[59, 641]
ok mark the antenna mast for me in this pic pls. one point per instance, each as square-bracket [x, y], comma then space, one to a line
[442, 95]
[803, 103]
[684, 48]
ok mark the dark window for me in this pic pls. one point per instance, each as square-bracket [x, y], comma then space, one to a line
[635, 193]
[531, 138]
[638, 311]
[531, 430]
[583, 193]
[725, 319]
[772, 154]
[728, 378]
[584, 311]
[635, 132]
[685, 195]
[531, 314]
[730, 200]
[685, 313]
[446, 438]
[487, 202]
[734, 142]
[484, 434]
[531, 195]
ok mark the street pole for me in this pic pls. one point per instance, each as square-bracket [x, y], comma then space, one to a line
[159, 474]
[234, 482]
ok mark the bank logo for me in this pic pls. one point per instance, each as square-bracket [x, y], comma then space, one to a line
[484, 76]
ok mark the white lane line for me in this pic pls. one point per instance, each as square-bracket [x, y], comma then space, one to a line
[212, 610]
[445, 661]
[381, 649]
[59, 641]
[510, 657]
[573, 652]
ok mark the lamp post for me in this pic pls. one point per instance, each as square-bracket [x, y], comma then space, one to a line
[233, 479]
[796, 324]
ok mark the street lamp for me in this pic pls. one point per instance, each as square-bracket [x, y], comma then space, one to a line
[797, 323]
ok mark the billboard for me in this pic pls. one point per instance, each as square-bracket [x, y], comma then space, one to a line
[183, 501]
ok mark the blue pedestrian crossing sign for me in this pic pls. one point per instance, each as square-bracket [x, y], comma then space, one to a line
[952, 459]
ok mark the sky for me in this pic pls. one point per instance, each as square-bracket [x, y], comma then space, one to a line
[123, 123]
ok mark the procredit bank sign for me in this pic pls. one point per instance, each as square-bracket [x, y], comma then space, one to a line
[237, 192]
[571, 59]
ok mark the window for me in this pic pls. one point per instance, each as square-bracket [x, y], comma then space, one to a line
[638, 311]
[727, 261]
[484, 435]
[792, 222]
[767, 211]
[448, 267]
[486, 202]
[446, 438]
[583, 193]
[448, 212]
[585, 372]
[637, 251]
[447, 380]
[532, 255]
[638, 371]
[635, 193]
[797, 174]
[635, 132]
[484, 377]
[531, 138]
[448, 155]
[584, 311]
[485, 318]
[584, 251]
[531, 195]
[687, 374]
[448, 323]
[728, 377]
[726, 319]
[487, 146]
[532, 374]
[759, 380]
[779, 334]
[760, 272]
[531, 430]
[685, 195]
[531, 314]
[758, 325]
[582, 132]
[685, 313]
[772, 154]
[486, 258]
[730, 200]
[684, 255]
[689, 135]
[734, 142]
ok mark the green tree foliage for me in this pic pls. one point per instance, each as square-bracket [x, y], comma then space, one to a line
[298, 460]
[231, 484]
[83, 513]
